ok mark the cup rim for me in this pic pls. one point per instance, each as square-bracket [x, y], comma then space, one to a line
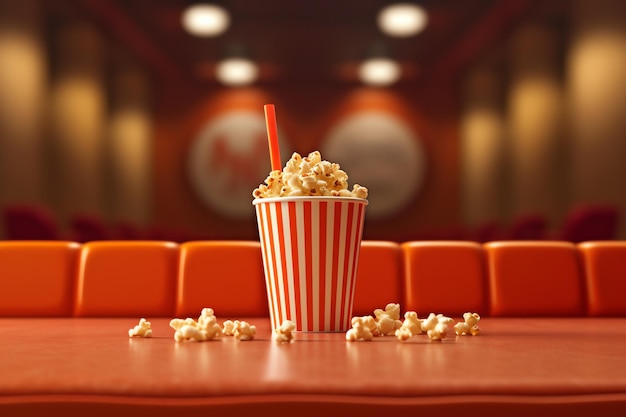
[308, 198]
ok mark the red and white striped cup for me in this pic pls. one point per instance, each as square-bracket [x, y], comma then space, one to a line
[310, 248]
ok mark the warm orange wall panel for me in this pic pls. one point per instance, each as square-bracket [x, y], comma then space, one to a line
[37, 278]
[445, 277]
[179, 120]
[306, 115]
[535, 278]
[605, 274]
[379, 277]
[127, 278]
[224, 275]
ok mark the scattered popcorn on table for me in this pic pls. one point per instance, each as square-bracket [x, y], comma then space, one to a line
[189, 333]
[436, 326]
[284, 333]
[403, 333]
[359, 331]
[211, 326]
[411, 326]
[143, 329]
[469, 326]
[243, 331]
[189, 330]
[229, 327]
[388, 320]
[370, 323]
[308, 176]
[207, 318]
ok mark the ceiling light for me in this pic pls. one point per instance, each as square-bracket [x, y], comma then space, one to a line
[402, 19]
[379, 71]
[205, 19]
[236, 71]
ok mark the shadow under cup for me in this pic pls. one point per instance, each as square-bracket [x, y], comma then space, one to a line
[310, 248]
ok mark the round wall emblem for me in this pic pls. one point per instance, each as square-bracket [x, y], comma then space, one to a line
[382, 153]
[228, 159]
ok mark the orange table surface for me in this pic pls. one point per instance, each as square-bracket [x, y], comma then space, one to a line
[72, 366]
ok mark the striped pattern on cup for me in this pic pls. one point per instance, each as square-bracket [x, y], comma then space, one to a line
[310, 248]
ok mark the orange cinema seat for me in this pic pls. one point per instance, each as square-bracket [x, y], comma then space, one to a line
[535, 278]
[127, 278]
[445, 277]
[604, 263]
[37, 278]
[379, 277]
[224, 275]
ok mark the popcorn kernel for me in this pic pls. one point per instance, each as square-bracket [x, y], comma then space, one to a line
[284, 333]
[469, 326]
[143, 329]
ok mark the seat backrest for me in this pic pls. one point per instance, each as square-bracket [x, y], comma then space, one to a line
[37, 278]
[590, 222]
[535, 278]
[160, 279]
[528, 226]
[224, 275]
[127, 279]
[29, 222]
[446, 277]
[487, 231]
[126, 230]
[88, 227]
[604, 264]
[379, 277]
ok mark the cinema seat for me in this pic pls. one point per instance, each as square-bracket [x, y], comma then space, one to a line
[379, 276]
[590, 222]
[37, 278]
[127, 279]
[527, 226]
[604, 263]
[30, 222]
[535, 278]
[87, 227]
[444, 277]
[224, 275]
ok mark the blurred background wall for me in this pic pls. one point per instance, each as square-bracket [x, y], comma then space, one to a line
[516, 118]
[23, 95]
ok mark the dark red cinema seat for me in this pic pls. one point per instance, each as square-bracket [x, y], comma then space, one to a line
[590, 222]
[29, 222]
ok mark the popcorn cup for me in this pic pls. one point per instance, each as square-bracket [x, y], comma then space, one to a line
[310, 248]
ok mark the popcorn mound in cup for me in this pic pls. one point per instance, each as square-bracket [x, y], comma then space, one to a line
[310, 227]
[309, 176]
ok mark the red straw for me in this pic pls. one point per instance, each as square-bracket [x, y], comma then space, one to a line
[272, 136]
